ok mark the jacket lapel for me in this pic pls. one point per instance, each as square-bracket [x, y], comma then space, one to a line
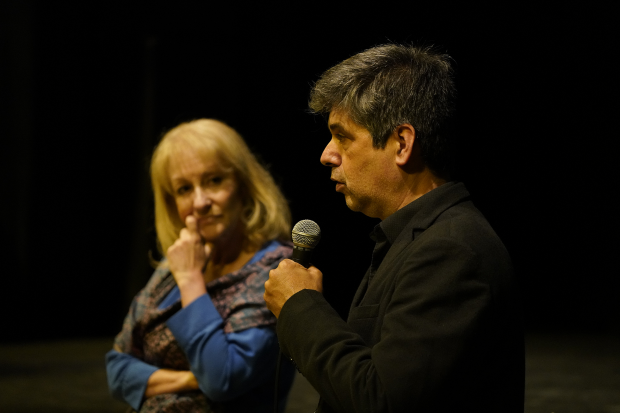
[427, 209]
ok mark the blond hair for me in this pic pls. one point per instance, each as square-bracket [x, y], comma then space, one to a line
[266, 214]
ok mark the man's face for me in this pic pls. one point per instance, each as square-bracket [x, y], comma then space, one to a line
[362, 173]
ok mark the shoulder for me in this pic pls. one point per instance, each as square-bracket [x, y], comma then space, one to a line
[256, 271]
[461, 241]
[277, 251]
[464, 224]
[161, 273]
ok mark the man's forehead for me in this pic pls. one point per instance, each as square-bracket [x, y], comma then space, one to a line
[339, 119]
[340, 122]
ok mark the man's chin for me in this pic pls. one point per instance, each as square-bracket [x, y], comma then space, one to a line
[357, 206]
[351, 204]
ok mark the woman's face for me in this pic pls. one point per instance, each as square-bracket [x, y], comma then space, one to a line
[202, 189]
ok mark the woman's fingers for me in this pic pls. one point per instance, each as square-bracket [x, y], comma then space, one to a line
[191, 224]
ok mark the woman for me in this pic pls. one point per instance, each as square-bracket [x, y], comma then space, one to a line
[199, 337]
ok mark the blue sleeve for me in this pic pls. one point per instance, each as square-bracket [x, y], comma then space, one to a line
[127, 377]
[225, 365]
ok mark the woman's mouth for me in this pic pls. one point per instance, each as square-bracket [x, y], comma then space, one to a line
[208, 219]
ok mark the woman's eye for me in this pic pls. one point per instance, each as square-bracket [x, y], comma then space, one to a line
[182, 190]
[216, 180]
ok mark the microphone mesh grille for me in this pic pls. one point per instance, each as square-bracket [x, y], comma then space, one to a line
[306, 233]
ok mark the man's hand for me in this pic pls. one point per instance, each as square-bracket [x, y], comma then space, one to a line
[288, 279]
[187, 259]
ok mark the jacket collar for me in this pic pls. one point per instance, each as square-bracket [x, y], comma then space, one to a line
[417, 216]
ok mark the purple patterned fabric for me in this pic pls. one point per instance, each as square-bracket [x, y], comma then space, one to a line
[238, 297]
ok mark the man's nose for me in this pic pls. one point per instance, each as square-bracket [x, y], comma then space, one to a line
[330, 156]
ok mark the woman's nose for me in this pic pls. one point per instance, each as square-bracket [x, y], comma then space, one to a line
[202, 199]
[330, 156]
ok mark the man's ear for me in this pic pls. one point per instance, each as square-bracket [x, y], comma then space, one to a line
[405, 136]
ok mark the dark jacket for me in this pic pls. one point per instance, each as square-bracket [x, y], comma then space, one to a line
[435, 325]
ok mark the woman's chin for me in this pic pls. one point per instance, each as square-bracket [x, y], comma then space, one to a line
[210, 239]
[219, 233]
[210, 235]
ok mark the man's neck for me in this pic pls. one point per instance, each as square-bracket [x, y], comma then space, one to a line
[414, 186]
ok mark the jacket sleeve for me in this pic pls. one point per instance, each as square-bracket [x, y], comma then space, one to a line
[225, 365]
[427, 316]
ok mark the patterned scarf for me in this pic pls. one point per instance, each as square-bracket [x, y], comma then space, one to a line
[238, 297]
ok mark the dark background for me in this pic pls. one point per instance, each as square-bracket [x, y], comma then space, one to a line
[87, 89]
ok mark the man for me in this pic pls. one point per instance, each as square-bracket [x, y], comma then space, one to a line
[435, 323]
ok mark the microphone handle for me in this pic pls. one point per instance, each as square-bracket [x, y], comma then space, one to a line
[302, 255]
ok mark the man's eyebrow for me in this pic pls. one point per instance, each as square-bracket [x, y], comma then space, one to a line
[335, 126]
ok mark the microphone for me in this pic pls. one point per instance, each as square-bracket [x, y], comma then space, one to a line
[306, 236]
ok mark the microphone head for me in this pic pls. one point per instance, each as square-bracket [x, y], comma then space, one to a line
[306, 234]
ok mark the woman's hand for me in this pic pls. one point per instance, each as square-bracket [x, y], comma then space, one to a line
[187, 258]
[170, 381]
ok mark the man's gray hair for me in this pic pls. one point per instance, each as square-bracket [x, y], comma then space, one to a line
[390, 85]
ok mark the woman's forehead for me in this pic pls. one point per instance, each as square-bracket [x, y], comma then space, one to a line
[188, 161]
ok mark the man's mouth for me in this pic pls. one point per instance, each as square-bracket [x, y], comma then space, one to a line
[339, 184]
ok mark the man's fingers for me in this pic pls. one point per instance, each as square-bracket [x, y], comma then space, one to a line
[288, 263]
[315, 272]
[317, 276]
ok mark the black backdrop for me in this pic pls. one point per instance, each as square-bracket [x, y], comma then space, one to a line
[88, 88]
